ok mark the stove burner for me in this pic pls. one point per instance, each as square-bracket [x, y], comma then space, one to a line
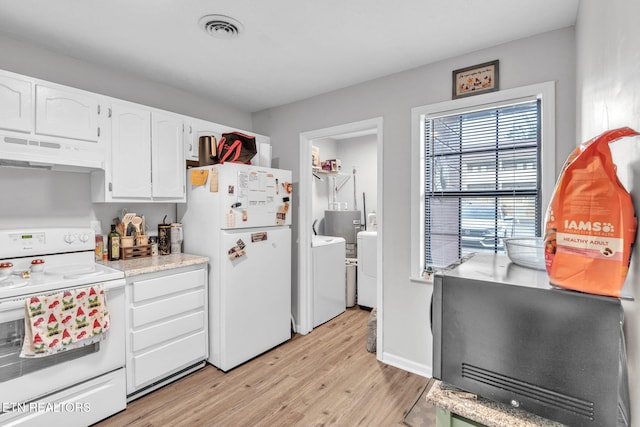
[13, 283]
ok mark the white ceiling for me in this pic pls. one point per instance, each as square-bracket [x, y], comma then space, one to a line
[289, 49]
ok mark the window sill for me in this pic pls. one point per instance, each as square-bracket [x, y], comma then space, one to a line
[422, 280]
[443, 270]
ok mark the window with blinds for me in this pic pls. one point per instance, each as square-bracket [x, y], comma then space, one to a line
[481, 179]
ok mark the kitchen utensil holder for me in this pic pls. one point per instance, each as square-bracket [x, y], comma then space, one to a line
[126, 241]
[140, 251]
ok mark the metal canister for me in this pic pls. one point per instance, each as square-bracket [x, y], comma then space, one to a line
[164, 239]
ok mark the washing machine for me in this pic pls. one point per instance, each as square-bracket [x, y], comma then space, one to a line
[329, 278]
[367, 268]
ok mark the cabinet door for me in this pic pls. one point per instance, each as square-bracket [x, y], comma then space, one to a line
[130, 151]
[197, 128]
[168, 166]
[15, 104]
[66, 114]
[190, 149]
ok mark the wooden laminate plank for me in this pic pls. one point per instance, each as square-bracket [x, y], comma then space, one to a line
[324, 378]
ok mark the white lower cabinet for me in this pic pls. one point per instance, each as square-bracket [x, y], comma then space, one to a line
[167, 331]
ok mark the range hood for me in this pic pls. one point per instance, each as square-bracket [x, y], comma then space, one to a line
[57, 154]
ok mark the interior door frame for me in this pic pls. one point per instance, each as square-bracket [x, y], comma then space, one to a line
[305, 274]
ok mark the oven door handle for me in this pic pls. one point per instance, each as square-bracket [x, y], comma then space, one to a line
[8, 306]
[14, 304]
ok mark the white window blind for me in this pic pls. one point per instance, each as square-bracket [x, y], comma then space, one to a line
[481, 179]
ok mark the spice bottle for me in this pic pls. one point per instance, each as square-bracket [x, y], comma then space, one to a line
[114, 244]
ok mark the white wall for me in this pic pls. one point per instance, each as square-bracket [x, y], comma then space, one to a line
[608, 66]
[550, 56]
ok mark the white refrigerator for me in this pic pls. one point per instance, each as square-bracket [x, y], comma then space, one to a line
[240, 217]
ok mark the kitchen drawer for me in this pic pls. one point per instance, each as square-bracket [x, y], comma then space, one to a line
[90, 402]
[160, 362]
[161, 286]
[167, 307]
[165, 331]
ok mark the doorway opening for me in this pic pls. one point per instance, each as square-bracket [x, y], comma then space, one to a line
[340, 194]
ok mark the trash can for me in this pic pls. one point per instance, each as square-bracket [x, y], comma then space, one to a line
[351, 265]
[372, 331]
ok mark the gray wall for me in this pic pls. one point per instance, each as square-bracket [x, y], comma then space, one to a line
[608, 66]
[33, 61]
[320, 190]
[41, 198]
[546, 57]
[359, 153]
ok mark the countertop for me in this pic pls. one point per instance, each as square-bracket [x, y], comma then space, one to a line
[498, 268]
[153, 264]
[483, 411]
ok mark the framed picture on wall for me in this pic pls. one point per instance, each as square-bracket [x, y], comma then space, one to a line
[481, 78]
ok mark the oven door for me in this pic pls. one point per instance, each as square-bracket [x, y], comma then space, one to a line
[24, 380]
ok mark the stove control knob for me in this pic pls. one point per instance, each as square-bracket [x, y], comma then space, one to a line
[69, 238]
[84, 237]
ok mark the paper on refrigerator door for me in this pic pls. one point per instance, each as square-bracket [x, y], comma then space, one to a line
[199, 176]
[213, 182]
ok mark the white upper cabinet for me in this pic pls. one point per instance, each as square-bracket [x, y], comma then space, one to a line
[194, 129]
[134, 153]
[130, 152]
[146, 160]
[167, 156]
[67, 113]
[15, 104]
[45, 124]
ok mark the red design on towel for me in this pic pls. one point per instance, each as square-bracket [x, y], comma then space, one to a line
[65, 328]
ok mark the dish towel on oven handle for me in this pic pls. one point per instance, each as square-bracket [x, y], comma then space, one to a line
[65, 320]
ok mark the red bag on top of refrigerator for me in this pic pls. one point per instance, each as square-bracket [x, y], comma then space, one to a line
[590, 222]
[236, 147]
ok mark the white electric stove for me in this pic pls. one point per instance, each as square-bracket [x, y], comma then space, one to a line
[73, 387]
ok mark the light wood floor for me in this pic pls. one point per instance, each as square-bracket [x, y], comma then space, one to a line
[325, 378]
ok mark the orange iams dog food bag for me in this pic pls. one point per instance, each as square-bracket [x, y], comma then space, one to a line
[590, 222]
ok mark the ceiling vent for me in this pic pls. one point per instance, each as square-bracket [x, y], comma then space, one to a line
[221, 26]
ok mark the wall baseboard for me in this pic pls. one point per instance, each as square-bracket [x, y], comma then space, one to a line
[407, 365]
